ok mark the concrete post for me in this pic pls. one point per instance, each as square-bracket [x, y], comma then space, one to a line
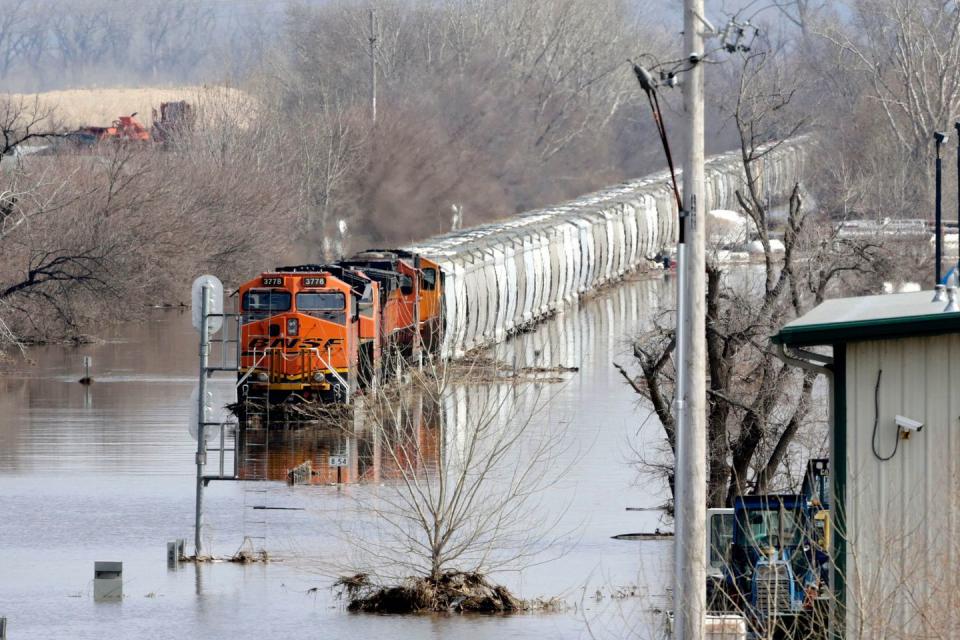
[689, 591]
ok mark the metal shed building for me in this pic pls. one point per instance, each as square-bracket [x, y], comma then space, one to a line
[895, 365]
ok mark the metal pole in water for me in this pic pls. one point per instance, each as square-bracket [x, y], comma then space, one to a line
[201, 417]
[938, 212]
[956, 272]
[689, 589]
[86, 380]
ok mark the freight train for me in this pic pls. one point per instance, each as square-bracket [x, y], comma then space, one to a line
[469, 288]
[323, 332]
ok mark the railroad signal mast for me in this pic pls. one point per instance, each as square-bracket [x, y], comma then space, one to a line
[207, 318]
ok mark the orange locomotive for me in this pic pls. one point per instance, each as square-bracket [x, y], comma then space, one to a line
[323, 332]
[411, 288]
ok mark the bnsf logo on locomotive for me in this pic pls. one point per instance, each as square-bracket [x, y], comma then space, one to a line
[261, 343]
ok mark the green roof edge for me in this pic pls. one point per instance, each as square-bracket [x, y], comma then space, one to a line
[842, 332]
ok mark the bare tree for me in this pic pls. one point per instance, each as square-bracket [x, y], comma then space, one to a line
[903, 58]
[15, 18]
[23, 120]
[45, 273]
[757, 404]
[78, 231]
[479, 102]
[82, 34]
[174, 34]
[463, 470]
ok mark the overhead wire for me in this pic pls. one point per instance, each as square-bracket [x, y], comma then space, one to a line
[648, 86]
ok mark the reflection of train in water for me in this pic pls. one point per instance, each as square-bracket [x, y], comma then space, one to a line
[321, 332]
[343, 453]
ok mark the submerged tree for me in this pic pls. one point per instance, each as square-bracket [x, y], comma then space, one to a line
[461, 474]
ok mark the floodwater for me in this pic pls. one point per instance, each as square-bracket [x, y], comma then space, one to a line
[106, 472]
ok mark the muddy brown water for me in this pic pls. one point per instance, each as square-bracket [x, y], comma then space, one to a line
[106, 472]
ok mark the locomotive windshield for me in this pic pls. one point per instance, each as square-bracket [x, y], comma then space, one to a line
[320, 301]
[263, 302]
[429, 279]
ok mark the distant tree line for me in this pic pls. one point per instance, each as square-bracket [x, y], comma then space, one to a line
[484, 109]
[56, 44]
[487, 106]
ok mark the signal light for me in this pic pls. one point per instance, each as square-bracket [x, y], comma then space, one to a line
[293, 326]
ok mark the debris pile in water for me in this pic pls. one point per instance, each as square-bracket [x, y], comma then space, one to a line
[480, 369]
[249, 556]
[454, 591]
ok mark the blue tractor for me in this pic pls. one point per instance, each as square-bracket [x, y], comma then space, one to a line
[776, 568]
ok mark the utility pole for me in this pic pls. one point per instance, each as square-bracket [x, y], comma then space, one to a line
[689, 587]
[373, 68]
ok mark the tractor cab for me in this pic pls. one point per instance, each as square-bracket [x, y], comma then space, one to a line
[774, 565]
[768, 556]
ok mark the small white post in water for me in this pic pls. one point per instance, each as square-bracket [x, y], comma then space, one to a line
[173, 554]
[87, 362]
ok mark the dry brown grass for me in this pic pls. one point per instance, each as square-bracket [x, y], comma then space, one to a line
[73, 108]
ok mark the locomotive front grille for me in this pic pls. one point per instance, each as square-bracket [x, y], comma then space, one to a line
[773, 589]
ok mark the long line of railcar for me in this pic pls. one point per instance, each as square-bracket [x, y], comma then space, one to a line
[503, 276]
[326, 331]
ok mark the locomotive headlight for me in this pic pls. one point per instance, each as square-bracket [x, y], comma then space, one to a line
[293, 326]
[318, 377]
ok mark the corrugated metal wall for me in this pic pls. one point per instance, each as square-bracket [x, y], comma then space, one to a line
[503, 276]
[902, 513]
